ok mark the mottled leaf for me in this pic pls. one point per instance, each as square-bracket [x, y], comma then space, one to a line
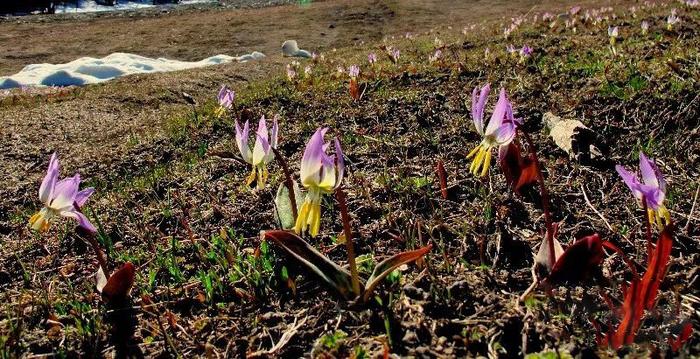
[308, 257]
[388, 265]
[284, 205]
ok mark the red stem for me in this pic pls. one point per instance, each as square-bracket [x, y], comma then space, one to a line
[648, 227]
[90, 237]
[544, 194]
[343, 204]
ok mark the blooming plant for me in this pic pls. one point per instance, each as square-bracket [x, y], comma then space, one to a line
[437, 55]
[672, 20]
[320, 174]
[61, 199]
[613, 33]
[650, 192]
[645, 27]
[394, 55]
[354, 72]
[262, 153]
[225, 98]
[372, 58]
[291, 72]
[499, 132]
[525, 52]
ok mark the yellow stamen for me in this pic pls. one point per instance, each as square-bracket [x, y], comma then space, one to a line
[262, 176]
[474, 169]
[487, 163]
[300, 224]
[660, 217]
[473, 152]
[315, 219]
[39, 222]
[251, 177]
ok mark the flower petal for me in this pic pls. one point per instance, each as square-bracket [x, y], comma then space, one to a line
[340, 163]
[82, 220]
[64, 193]
[82, 196]
[650, 172]
[630, 180]
[242, 142]
[49, 182]
[478, 105]
[653, 195]
[262, 146]
[505, 134]
[499, 114]
[312, 160]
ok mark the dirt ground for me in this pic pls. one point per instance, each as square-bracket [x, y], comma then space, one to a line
[193, 34]
[93, 125]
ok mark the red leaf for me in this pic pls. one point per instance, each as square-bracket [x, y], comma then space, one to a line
[119, 283]
[354, 90]
[519, 171]
[528, 173]
[683, 336]
[641, 293]
[510, 163]
[632, 310]
[656, 268]
[442, 177]
[578, 260]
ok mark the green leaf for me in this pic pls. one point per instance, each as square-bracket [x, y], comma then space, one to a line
[284, 205]
[332, 274]
[388, 265]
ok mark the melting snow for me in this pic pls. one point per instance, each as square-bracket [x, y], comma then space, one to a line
[89, 70]
[93, 6]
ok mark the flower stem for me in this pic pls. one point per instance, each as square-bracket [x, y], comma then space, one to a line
[288, 181]
[343, 204]
[90, 237]
[647, 224]
[544, 196]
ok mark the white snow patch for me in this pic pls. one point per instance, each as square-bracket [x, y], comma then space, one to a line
[89, 70]
[93, 6]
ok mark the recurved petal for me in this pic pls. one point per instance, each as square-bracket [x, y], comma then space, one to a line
[64, 194]
[653, 195]
[261, 151]
[340, 164]
[49, 182]
[649, 171]
[82, 196]
[478, 104]
[630, 180]
[262, 145]
[242, 141]
[312, 160]
[505, 134]
[82, 220]
[498, 115]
